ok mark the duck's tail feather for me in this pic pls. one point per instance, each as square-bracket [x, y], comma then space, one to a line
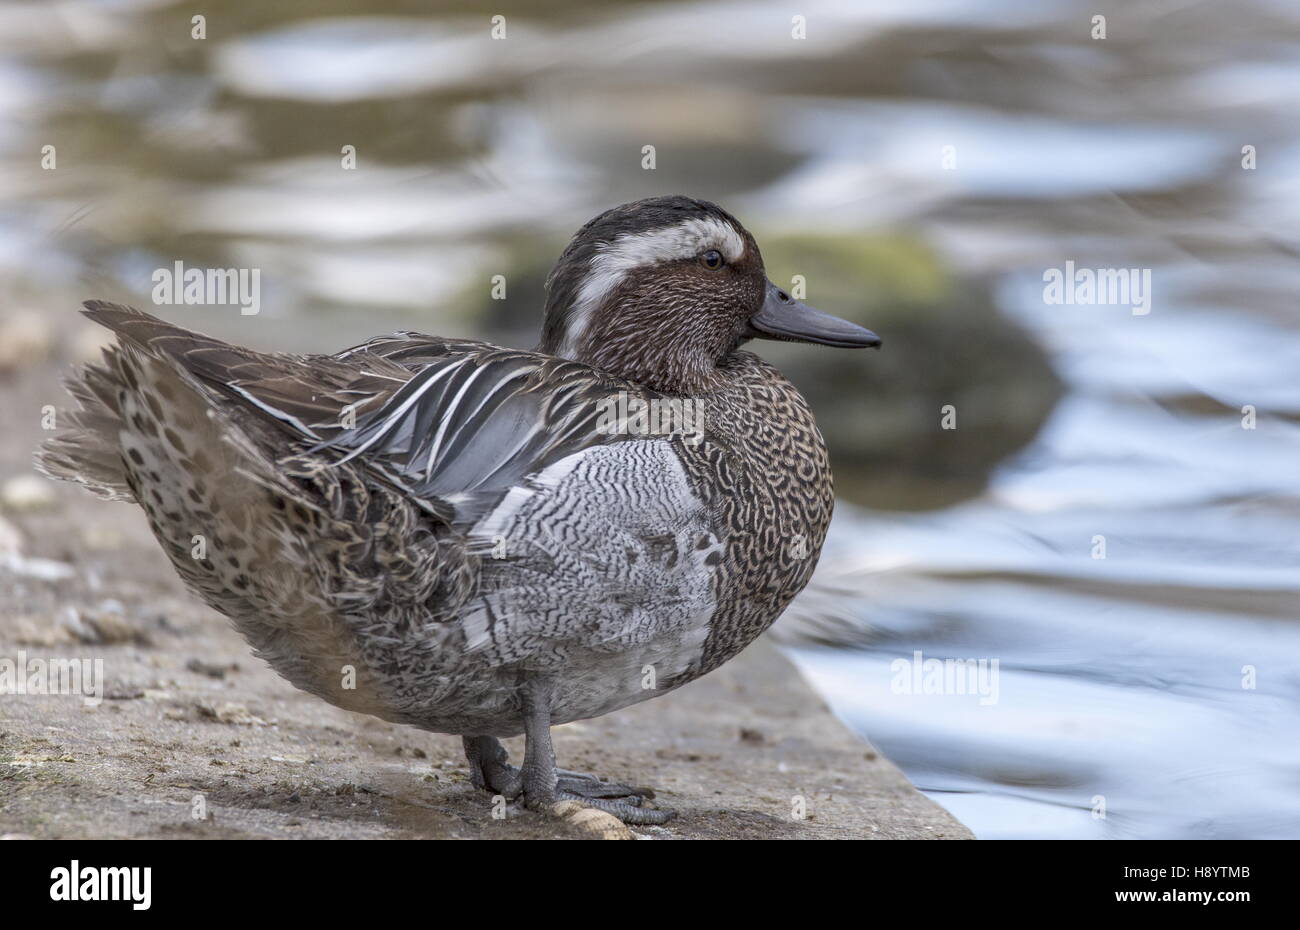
[83, 452]
[87, 450]
[155, 336]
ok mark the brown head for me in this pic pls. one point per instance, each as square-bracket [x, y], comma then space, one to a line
[660, 291]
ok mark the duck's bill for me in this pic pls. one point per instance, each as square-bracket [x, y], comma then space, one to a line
[783, 317]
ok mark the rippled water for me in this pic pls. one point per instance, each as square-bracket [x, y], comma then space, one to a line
[1119, 679]
[1160, 683]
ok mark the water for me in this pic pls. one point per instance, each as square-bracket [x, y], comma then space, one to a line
[1161, 683]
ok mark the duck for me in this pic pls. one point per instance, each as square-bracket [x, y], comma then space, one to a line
[483, 541]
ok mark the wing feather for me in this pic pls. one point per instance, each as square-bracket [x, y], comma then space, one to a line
[443, 418]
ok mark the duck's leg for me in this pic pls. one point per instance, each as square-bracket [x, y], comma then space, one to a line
[544, 784]
[490, 768]
[540, 778]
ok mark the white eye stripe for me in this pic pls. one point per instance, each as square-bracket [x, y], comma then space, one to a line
[615, 260]
[685, 240]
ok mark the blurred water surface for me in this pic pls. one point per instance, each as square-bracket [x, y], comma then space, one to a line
[1120, 679]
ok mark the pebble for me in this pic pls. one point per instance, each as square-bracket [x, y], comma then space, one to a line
[100, 538]
[595, 823]
[40, 569]
[26, 339]
[210, 669]
[104, 624]
[232, 713]
[30, 631]
[10, 539]
[27, 493]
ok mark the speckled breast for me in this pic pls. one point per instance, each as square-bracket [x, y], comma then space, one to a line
[763, 469]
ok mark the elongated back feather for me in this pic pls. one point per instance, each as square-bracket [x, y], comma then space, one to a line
[443, 418]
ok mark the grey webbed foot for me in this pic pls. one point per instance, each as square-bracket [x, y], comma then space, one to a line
[626, 807]
[586, 785]
[539, 783]
[544, 785]
[623, 801]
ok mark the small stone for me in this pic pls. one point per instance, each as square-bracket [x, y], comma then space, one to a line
[41, 569]
[102, 625]
[210, 669]
[119, 691]
[595, 823]
[100, 538]
[10, 539]
[26, 339]
[27, 494]
[29, 631]
[236, 714]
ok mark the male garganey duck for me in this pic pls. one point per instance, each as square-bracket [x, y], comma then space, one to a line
[484, 541]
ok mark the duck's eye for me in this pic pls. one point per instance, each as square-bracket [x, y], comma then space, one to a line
[712, 259]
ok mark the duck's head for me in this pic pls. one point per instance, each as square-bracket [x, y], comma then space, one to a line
[660, 291]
